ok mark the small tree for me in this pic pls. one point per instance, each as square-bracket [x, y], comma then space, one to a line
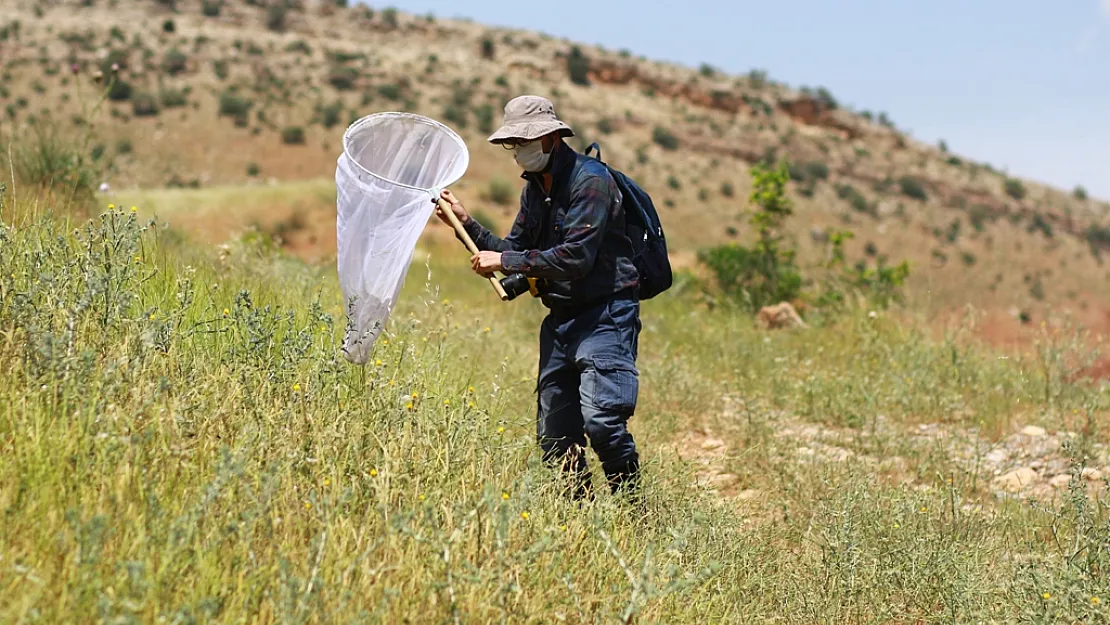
[578, 66]
[765, 273]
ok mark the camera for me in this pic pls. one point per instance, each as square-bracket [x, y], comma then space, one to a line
[517, 283]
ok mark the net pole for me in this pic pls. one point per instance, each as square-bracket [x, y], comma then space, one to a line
[461, 231]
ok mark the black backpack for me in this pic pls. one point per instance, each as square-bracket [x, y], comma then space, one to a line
[644, 229]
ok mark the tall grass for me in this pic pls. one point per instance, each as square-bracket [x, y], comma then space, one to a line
[182, 442]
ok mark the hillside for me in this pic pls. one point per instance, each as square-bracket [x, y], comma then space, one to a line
[214, 93]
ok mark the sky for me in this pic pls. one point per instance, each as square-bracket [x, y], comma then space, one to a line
[1023, 85]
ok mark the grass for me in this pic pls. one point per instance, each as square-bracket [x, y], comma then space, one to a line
[182, 440]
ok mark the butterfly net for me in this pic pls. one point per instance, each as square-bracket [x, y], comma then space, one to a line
[392, 167]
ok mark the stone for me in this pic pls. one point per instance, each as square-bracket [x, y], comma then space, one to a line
[711, 444]
[1060, 481]
[1033, 430]
[749, 493]
[1092, 475]
[1017, 479]
[723, 480]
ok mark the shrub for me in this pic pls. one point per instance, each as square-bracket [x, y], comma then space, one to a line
[234, 105]
[174, 62]
[578, 67]
[292, 135]
[488, 49]
[169, 26]
[1014, 188]
[817, 170]
[1040, 223]
[220, 69]
[1098, 238]
[673, 183]
[604, 126]
[144, 104]
[1080, 193]
[500, 191]
[765, 273]
[275, 17]
[119, 90]
[330, 114]
[912, 187]
[978, 215]
[211, 8]
[855, 199]
[727, 190]
[172, 98]
[253, 169]
[342, 77]
[123, 146]
[391, 92]
[389, 17]
[664, 139]
[484, 115]
[44, 156]
[300, 46]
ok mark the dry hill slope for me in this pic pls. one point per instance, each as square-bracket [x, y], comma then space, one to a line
[222, 93]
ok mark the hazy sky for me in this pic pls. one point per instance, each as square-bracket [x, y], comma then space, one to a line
[1021, 84]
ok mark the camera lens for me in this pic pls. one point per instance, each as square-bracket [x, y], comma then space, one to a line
[515, 284]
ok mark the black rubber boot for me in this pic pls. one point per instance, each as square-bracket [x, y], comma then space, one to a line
[625, 478]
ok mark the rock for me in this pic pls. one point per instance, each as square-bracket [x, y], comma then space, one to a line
[710, 444]
[781, 315]
[1092, 475]
[1033, 430]
[723, 480]
[1060, 481]
[1017, 479]
[996, 456]
[749, 493]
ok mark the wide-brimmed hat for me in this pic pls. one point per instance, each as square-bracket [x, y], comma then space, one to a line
[529, 117]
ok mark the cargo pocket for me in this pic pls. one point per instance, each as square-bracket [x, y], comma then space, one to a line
[611, 384]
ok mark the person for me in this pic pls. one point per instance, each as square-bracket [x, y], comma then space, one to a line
[570, 236]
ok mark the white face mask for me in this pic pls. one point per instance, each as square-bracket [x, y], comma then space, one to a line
[530, 156]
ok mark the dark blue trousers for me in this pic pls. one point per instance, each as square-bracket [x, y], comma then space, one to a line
[588, 386]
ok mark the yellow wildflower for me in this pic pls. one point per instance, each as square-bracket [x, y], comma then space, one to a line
[524, 515]
[327, 482]
[409, 405]
[421, 497]
[472, 405]
[563, 527]
[415, 395]
[133, 209]
[1095, 601]
[373, 473]
[226, 312]
[307, 505]
[378, 363]
[470, 389]
[296, 387]
[447, 402]
[500, 429]
[111, 207]
[486, 330]
[1046, 596]
[504, 496]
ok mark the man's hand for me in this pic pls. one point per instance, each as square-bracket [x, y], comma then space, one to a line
[456, 207]
[485, 263]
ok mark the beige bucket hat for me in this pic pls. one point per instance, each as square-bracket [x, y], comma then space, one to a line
[529, 117]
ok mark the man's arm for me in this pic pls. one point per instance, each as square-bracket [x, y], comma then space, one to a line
[485, 240]
[587, 217]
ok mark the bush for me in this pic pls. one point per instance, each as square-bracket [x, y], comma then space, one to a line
[484, 115]
[169, 26]
[978, 216]
[211, 8]
[293, 135]
[123, 146]
[1014, 188]
[766, 273]
[300, 46]
[234, 105]
[664, 139]
[501, 191]
[342, 77]
[144, 104]
[1080, 193]
[174, 62]
[673, 183]
[817, 170]
[727, 190]
[578, 67]
[119, 90]
[391, 92]
[1040, 223]
[253, 169]
[604, 126]
[330, 114]
[172, 98]
[855, 199]
[912, 187]
[1098, 237]
[45, 157]
[220, 69]
[389, 17]
[275, 17]
[488, 49]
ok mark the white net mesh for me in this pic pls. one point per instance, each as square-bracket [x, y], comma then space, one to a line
[392, 166]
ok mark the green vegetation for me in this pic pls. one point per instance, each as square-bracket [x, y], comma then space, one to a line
[1014, 188]
[911, 187]
[578, 67]
[664, 139]
[293, 135]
